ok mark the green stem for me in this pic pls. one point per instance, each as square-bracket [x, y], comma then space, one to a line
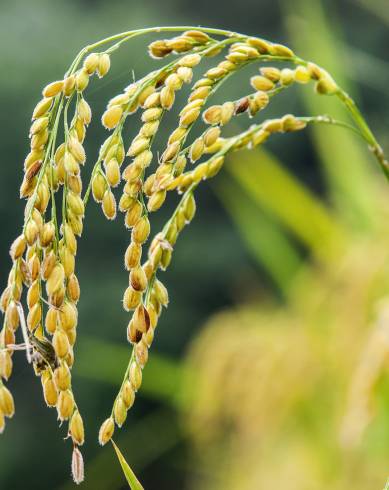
[365, 130]
[53, 205]
[65, 184]
[127, 35]
[334, 122]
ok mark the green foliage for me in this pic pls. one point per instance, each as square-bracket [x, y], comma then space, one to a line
[132, 480]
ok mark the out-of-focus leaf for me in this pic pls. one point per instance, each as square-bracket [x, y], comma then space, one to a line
[367, 69]
[378, 8]
[264, 238]
[162, 376]
[269, 185]
[132, 480]
[348, 172]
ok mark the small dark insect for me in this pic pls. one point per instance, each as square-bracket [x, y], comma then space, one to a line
[40, 352]
[43, 354]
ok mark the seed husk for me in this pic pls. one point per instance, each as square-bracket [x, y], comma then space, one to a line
[53, 89]
[65, 404]
[135, 376]
[141, 230]
[106, 431]
[128, 394]
[76, 428]
[7, 406]
[77, 466]
[50, 392]
[120, 411]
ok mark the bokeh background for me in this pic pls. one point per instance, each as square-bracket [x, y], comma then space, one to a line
[269, 368]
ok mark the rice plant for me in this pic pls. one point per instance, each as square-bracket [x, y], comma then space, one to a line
[43, 290]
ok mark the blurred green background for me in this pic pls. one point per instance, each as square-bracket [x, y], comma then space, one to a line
[278, 289]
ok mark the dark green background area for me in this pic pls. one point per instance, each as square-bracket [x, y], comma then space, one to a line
[211, 268]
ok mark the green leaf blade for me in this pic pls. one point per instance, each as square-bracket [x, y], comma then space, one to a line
[132, 480]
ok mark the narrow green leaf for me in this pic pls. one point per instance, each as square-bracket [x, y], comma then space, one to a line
[263, 236]
[379, 8]
[367, 68]
[132, 480]
[270, 185]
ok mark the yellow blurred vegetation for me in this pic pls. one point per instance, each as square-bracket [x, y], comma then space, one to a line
[294, 396]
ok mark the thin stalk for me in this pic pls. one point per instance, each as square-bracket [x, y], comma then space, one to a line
[366, 131]
[65, 184]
